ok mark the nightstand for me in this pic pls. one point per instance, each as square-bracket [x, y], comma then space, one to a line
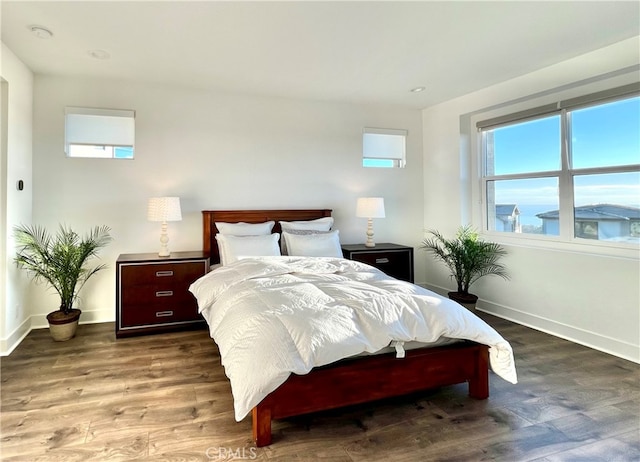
[152, 292]
[393, 259]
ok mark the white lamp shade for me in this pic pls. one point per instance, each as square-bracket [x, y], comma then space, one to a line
[164, 209]
[370, 207]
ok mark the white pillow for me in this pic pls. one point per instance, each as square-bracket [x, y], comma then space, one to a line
[245, 229]
[320, 224]
[326, 244]
[235, 247]
[242, 229]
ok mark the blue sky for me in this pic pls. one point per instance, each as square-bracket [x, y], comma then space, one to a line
[607, 134]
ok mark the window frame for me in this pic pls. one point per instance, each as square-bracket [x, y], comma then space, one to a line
[519, 113]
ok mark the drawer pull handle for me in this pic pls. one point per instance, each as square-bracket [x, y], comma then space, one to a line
[164, 273]
[382, 260]
[164, 293]
[163, 314]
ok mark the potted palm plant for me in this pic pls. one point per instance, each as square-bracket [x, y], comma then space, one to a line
[468, 259]
[60, 261]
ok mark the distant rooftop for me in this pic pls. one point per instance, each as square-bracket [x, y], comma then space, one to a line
[507, 209]
[599, 212]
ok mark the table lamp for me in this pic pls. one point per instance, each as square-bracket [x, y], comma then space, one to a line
[369, 208]
[164, 209]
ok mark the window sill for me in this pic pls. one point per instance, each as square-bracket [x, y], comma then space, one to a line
[554, 243]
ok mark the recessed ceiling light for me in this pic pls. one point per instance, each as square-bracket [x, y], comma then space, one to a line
[418, 89]
[99, 54]
[40, 31]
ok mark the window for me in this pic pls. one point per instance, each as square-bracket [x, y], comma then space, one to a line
[99, 133]
[383, 147]
[570, 169]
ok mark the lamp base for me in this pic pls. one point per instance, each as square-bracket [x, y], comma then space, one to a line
[369, 242]
[164, 240]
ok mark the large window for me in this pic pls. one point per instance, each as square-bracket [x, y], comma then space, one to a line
[102, 133]
[569, 170]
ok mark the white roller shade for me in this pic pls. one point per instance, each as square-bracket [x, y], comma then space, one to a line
[379, 143]
[99, 127]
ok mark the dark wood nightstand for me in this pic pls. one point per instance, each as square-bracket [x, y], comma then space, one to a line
[393, 259]
[152, 292]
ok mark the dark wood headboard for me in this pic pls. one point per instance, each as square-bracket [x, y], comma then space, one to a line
[210, 217]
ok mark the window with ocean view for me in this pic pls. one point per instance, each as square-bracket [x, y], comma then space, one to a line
[570, 169]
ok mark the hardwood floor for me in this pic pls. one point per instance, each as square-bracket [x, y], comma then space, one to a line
[165, 398]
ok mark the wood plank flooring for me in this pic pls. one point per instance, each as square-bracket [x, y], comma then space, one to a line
[165, 398]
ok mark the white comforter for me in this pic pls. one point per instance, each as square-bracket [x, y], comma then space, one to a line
[273, 316]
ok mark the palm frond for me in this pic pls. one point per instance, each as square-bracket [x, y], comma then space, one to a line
[467, 257]
[59, 260]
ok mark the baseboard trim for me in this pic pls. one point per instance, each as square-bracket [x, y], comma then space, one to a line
[7, 345]
[39, 321]
[574, 334]
[97, 316]
[590, 339]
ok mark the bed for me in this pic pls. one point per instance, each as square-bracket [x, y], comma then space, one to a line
[351, 380]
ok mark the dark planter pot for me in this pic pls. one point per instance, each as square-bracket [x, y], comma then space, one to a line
[466, 300]
[63, 326]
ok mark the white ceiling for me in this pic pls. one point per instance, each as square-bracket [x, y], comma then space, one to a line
[365, 52]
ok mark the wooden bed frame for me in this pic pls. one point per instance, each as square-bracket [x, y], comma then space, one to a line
[359, 380]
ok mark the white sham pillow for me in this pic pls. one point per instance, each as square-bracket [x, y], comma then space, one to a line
[324, 244]
[242, 229]
[319, 224]
[235, 247]
[245, 229]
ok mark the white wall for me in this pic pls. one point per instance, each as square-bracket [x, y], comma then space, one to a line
[215, 151]
[586, 297]
[15, 164]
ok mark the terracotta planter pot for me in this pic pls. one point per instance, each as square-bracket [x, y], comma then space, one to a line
[63, 326]
[466, 300]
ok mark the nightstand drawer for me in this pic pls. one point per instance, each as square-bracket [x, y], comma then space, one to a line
[385, 261]
[155, 315]
[166, 273]
[157, 294]
[392, 259]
